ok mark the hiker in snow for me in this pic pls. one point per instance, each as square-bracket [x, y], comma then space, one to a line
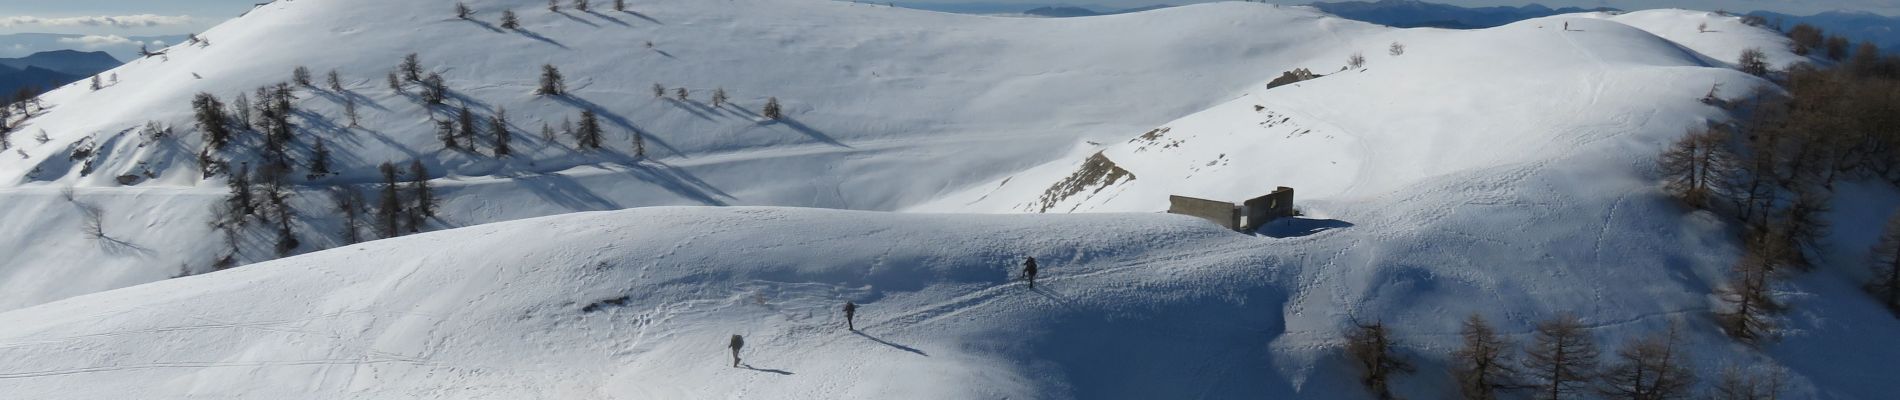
[850, 311]
[737, 343]
[1029, 271]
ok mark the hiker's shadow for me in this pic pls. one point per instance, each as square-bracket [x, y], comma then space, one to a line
[894, 345]
[775, 371]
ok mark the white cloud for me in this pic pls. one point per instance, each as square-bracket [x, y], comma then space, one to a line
[119, 21]
[97, 41]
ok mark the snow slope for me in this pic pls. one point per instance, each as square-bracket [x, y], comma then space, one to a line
[637, 304]
[1602, 95]
[886, 107]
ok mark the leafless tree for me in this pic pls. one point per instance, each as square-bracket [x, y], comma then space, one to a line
[1562, 358]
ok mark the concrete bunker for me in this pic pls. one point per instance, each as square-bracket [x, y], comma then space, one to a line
[1245, 217]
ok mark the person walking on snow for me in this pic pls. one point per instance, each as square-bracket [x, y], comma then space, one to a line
[850, 311]
[737, 343]
[1029, 271]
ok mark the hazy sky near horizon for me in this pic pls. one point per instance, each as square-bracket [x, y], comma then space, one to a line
[152, 17]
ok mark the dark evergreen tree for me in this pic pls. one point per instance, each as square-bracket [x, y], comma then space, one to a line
[210, 115]
[588, 137]
[445, 130]
[1484, 365]
[659, 91]
[772, 109]
[552, 84]
[498, 125]
[554, 5]
[509, 20]
[462, 11]
[620, 5]
[719, 97]
[465, 127]
[1562, 358]
[680, 92]
[97, 84]
[581, 5]
[389, 204]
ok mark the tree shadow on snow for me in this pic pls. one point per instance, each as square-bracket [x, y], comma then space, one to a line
[114, 246]
[484, 25]
[800, 127]
[618, 120]
[775, 371]
[690, 107]
[566, 192]
[616, 21]
[893, 345]
[537, 37]
[1292, 227]
[577, 19]
[644, 16]
[679, 182]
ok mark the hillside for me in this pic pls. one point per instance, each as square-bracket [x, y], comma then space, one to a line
[887, 132]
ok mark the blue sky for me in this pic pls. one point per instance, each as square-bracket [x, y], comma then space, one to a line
[153, 17]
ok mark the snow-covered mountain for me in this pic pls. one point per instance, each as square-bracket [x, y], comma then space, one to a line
[1506, 172]
[886, 108]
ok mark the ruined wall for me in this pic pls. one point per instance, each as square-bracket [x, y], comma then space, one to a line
[1220, 212]
[1264, 209]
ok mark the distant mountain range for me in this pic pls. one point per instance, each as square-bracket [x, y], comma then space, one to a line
[1859, 26]
[47, 70]
[121, 47]
[1073, 11]
[1415, 14]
